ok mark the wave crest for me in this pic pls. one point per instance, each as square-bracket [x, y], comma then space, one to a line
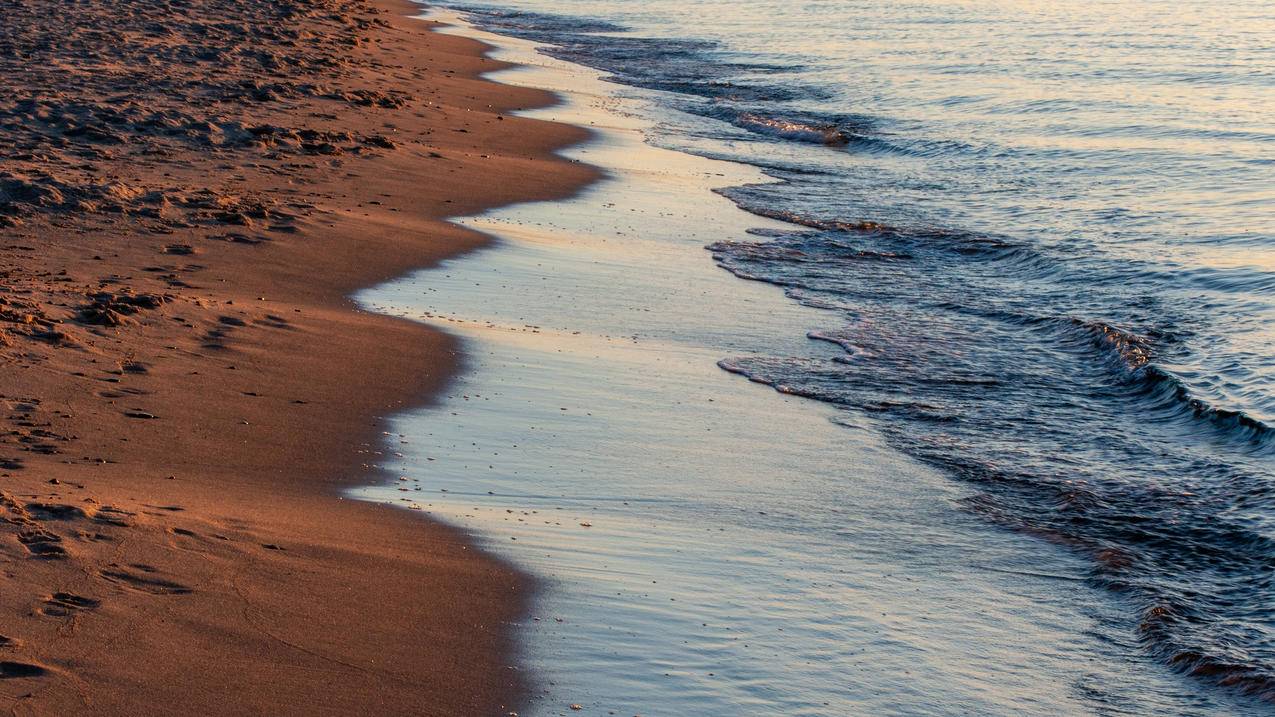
[796, 130]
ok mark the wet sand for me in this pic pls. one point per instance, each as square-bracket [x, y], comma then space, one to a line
[189, 193]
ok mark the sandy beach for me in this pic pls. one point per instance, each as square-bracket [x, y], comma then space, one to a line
[363, 357]
[189, 193]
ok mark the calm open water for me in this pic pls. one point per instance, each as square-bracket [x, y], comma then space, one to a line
[1045, 236]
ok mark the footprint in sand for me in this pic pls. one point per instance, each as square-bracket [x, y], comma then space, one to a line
[152, 585]
[43, 544]
[11, 670]
[64, 604]
[275, 322]
[107, 515]
[56, 511]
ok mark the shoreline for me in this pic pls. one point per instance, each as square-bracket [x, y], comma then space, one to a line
[590, 346]
[205, 555]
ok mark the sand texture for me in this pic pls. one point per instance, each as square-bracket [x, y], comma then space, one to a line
[189, 191]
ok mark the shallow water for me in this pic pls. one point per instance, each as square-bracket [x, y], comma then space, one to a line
[1043, 232]
[709, 546]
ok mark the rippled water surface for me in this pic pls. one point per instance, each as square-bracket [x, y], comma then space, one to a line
[1043, 235]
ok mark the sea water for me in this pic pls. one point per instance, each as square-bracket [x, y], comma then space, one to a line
[1025, 250]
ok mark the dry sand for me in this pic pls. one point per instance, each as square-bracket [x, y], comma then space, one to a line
[189, 191]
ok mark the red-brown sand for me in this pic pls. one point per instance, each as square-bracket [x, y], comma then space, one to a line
[189, 192]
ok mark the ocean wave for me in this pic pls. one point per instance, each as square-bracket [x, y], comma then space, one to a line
[1175, 397]
[715, 90]
[796, 130]
[1165, 395]
[1130, 357]
[533, 25]
[966, 244]
[746, 251]
[1161, 630]
[803, 261]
